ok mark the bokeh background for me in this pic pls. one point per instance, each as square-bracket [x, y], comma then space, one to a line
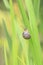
[5, 14]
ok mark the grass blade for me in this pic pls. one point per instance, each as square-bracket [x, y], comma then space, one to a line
[36, 5]
[5, 55]
[35, 38]
[15, 42]
[6, 4]
[7, 36]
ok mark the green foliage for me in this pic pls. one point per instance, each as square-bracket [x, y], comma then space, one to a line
[7, 36]
[32, 27]
[30, 48]
[6, 4]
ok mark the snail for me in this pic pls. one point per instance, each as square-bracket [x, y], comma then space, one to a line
[26, 34]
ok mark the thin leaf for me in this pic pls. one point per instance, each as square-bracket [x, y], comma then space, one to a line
[35, 38]
[15, 42]
[6, 4]
[36, 5]
[5, 55]
[7, 36]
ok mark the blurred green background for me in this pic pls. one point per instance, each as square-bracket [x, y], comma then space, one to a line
[5, 14]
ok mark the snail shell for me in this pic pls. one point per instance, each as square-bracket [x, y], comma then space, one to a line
[26, 34]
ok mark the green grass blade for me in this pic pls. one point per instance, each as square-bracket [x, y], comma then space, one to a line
[25, 20]
[36, 5]
[14, 36]
[35, 38]
[33, 27]
[5, 55]
[23, 13]
[7, 36]
[6, 4]
[24, 43]
[21, 60]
